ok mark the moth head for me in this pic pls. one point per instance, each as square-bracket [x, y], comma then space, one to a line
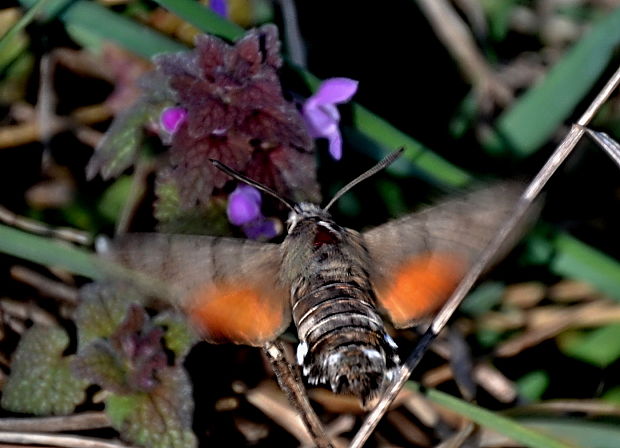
[306, 210]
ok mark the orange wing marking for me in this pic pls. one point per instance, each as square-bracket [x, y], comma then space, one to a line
[236, 314]
[421, 285]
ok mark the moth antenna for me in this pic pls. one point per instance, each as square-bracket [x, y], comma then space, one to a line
[383, 163]
[237, 175]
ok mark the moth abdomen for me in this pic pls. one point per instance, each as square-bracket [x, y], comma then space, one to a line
[343, 340]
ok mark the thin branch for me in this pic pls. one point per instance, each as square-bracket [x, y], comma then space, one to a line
[45, 285]
[56, 440]
[30, 225]
[457, 38]
[77, 422]
[482, 263]
[608, 144]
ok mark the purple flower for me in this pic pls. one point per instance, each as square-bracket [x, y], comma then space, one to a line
[220, 7]
[172, 118]
[244, 210]
[243, 205]
[260, 229]
[321, 115]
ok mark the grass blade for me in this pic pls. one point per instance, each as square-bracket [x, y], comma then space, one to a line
[49, 252]
[491, 420]
[202, 18]
[533, 119]
[101, 24]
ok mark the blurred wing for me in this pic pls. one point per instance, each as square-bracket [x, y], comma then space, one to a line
[229, 288]
[418, 260]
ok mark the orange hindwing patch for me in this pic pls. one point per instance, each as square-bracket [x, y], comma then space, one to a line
[421, 285]
[236, 314]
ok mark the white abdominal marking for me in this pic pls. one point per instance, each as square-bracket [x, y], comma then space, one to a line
[302, 351]
[371, 353]
[390, 341]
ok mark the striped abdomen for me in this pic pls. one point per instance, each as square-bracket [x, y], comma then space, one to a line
[342, 337]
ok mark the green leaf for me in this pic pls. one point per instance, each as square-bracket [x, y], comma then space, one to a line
[121, 143]
[102, 308]
[533, 119]
[41, 381]
[203, 18]
[98, 363]
[483, 298]
[578, 432]
[15, 79]
[179, 336]
[600, 347]
[101, 24]
[13, 41]
[159, 419]
[510, 428]
[575, 259]
[613, 395]
[533, 384]
[129, 359]
[114, 198]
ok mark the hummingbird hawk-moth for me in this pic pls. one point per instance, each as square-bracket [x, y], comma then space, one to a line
[335, 282]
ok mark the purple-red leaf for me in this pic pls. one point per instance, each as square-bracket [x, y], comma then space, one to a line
[235, 110]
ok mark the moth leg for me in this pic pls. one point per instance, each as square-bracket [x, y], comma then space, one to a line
[290, 382]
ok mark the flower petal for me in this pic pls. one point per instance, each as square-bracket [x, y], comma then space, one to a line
[260, 229]
[220, 7]
[172, 118]
[335, 144]
[335, 91]
[321, 119]
[243, 205]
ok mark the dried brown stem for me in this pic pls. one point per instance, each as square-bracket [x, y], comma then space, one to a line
[65, 441]
[30, 225]
[45, 285]
[455, 35]
[77, 422]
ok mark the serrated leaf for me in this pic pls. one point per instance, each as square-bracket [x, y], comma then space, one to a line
[120, 146]
[100, 364]
[161, 418]
[129, 359]
[178, 335]
[41, 381]
[236, 113]
[102, 308]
